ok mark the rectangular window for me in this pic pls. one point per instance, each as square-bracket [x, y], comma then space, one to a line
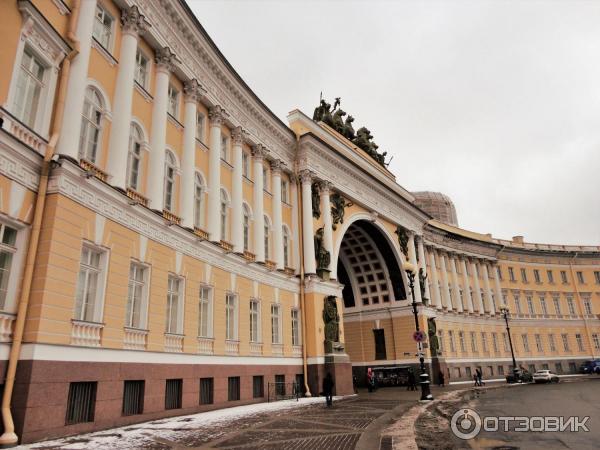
[596, 340]
[461, 340]
[207, 388]
[468, 372]
[580, 278]
[173, 393]
[275, 324]
[133, 397]
[543, 306]
[451, 341]
[565, 341]
[511, 274]
[136, 298]
[550, 275]
[457, 372]
[571, 306]
[380, 350]
[531, 368]
[572, 367]
[524, 275]
[141, 69]
[254, 321]
[441, 341]
[29, 88]
[551, 343]
[200, 127]
[579, 341]
[536, 276]
[205, 312]
[258, 386]
[473, 342]
[518, 305]
[280, 384]
[525, 342]
[538, 343]
[103, 27]
[597, 276]
[295, 327]
[530, 306]
[8, 239]
[174, 294]
[233, 389]
[587, 305]
[173, 104]
[556, 301]
[506, 342]
[484, 344]
[559, 368]
[88, 295]
[224, 148]
[495, 343]
[500, 370]
[246, 164]
[563, 277]
[81, 402]
[231, 332]
[545, 367]
[284, 191]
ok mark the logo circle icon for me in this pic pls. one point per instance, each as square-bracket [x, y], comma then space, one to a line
[465, 424]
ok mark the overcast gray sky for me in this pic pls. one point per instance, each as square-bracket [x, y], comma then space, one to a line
[494, 103]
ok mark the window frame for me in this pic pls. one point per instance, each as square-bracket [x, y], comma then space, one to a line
[208, 303]
[173, 96]
[296, 323]
[231, 334]
[255, 321]
[15, 252]
[199, 206]
[180, 304]
[141, 55]
[145, 288]
[276, 325]
[170, 182]
[101, 271]
[108, 46]
[88, 125]
[132, 156]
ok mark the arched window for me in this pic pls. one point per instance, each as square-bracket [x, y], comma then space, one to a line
[170, 173]
[224, 207]
[247, 216]
[267, 229]
[198, 204]
[135, 157]
[286, 246]
[91, 126]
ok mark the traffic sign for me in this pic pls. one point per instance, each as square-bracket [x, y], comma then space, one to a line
[419, 336]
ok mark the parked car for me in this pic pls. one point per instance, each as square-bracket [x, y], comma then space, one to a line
[590, 366]
[545, 376]
[520, 376]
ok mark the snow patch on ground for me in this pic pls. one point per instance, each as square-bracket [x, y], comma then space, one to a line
[140, 435]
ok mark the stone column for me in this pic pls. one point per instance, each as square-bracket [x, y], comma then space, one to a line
[188, 160]
[258, 154]
[308, 245]
[158, 141]
[325, 191]
[412, 258]
[118, 148]
[423, 265]
[445, 288]
[466, 286]
[476, 288]
[237, 198]
[295, 224]
[455, 286]
[437, 296]
[489, 304]
[70, 131]
[497, 288]
[216, 115]
[277, 215]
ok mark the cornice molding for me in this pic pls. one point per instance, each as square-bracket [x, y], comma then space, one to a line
[19, 163]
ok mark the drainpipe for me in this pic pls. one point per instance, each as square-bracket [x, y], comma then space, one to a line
[579, 302]
[9, 437]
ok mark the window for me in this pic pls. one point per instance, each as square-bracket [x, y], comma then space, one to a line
[550, 275]
[536, 276]
[169, 188]
[580, 278]
[551, 343]
[295, 327]
[141, 69]
[556, 301]
[276, 324]
[543, 306]
[572, 367]
[545, 367]
[559, 368]
[457, 372]
[474, 342]
[201, 127]
[174, 303]
[91, 124]
[531, 368]
[286, 246]
[587, 306]
[136, 298]
[279, 384]
[530, 306]
[134, 157]
[484, 344]
[224, 148]
[500, 370]
[284, 191]
[524, 275]
[506, 342]
[468, 372]
[596, 340]
[495, 343]
[538, 343]
[565, 341]
[246, 164]
[133, 397]
[81, 402]
[563, 277]
[233, 389]
[451, 340]
[258, 386]
[440, 341]
[511, 274]
[525, 342]
[571, 306]
[173, 104]
[597, 276]
[518, 305]
[173, 393]
[461, 339]
[246, 228]
[231, 332]
[30, 84]
[103, 27]
[88, 296]
[198, 204]
[224, 208]
[8, 238]
[254, 321]
[579, 341]
[207, 388]
[380, 350]
[205, 312]
[267, 230]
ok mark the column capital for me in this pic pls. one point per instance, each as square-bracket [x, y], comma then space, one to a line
[216, 115]
[237, 136]
[192, 90]
[165, 59]
[306, 176]
[133, 21]
[277, 166]
[325, 187]
[259, 152]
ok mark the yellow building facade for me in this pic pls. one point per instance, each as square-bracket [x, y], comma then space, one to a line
[169, 246]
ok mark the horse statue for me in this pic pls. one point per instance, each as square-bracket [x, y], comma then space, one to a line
[348, 129]
[338, 123]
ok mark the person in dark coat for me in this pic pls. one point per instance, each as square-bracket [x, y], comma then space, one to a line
[328, 389]
[412, 381]
[441, 379]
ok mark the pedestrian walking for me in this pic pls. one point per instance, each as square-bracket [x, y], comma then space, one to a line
[441, 379]
[355, 384]
[476, 379]
[370, 379]
[328, 389]
[412, 381]
[479, 376]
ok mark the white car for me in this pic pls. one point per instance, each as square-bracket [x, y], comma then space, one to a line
[545, 376]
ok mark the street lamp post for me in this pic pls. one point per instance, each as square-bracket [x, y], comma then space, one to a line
[505, 312]
[424, 376]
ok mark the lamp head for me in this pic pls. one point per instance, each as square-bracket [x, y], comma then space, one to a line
[409, 268]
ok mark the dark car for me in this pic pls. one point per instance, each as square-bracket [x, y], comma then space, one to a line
[519, 376]
[590, 366]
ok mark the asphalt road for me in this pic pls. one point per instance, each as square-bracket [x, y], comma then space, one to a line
[577, 398]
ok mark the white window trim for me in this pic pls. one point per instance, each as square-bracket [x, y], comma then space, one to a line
[258, 321]
[111, 43]
[102, 280]
[279, 324]
[210, 322]
[145, 295]
[148, 83]
[180, 304]
[17, 264]
[299, 321]
[236, 313]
